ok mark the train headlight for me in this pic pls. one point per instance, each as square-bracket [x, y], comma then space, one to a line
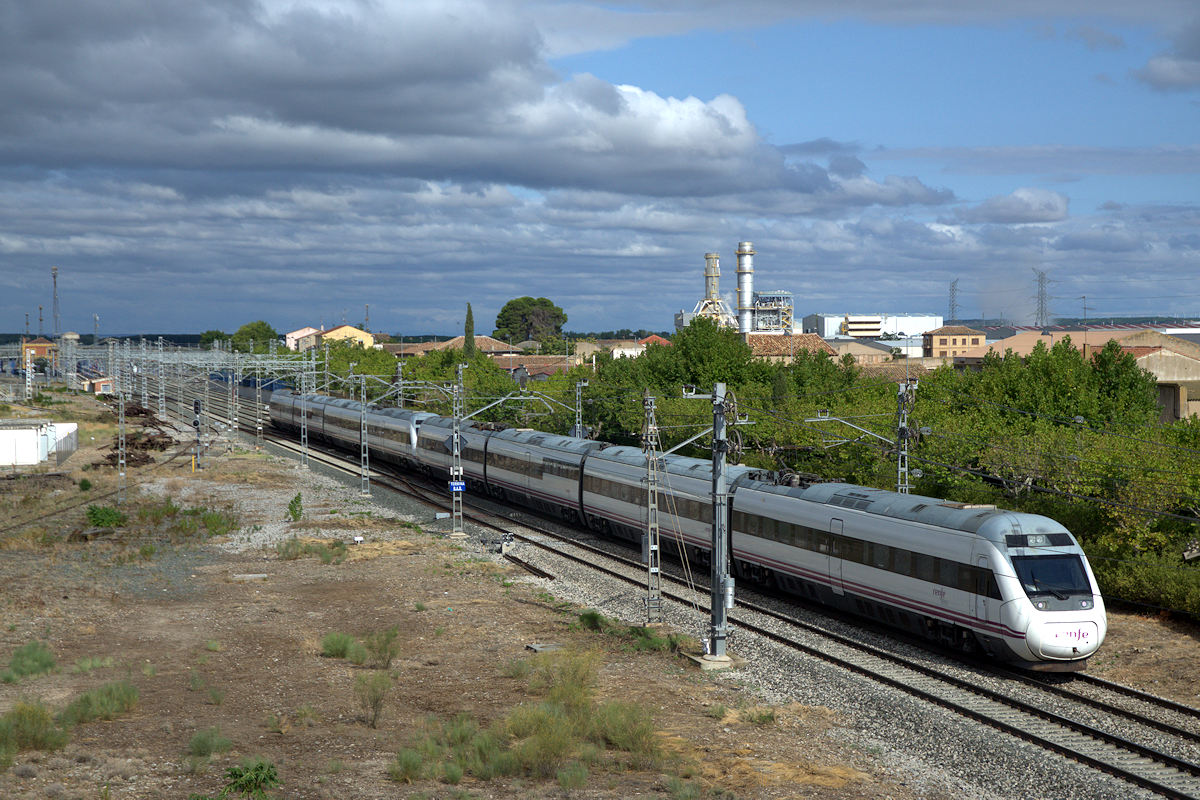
[1085, 603]
[1040, 605]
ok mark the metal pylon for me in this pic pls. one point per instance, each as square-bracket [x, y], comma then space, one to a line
[142, 357]
[904, 400]
[304, 419]
[28, 376]
[120, 447]
[364, 455]
[456, 470]
[162, 383]
[651, 552]
[258, 409]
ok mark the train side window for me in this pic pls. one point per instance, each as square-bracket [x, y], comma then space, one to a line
[924, 567]
[881, 556]
[822, 542]
[852, 550]
[966, 577]
[947, 573]
[901, 561]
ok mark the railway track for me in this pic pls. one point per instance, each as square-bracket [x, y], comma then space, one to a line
[1140, 738]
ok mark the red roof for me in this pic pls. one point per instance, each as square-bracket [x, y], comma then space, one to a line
[654, 338]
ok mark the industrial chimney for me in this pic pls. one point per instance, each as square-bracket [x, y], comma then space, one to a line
[712, 276]
[745, 275]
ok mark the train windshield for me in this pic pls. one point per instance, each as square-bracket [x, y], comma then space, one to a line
[1060, 576]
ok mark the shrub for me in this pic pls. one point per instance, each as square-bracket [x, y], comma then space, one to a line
[295, 509]
[543, 736]
[206, 742]
[105, 517]
[289, 549]
[572, 776]
[30, 726]
[84, 484]
[566, 677]
[406, 766]
[105, 702]
[383, 647]
[625, 726]
[218, 523]
[336, 644]
[759, 715]
[356, 653]
[33, 658]
[251, 779]
[371, 690]
[452, 773]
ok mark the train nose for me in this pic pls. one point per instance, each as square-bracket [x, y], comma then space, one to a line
[1064, 640]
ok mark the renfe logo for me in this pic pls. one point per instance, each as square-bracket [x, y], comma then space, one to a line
[1077, 635]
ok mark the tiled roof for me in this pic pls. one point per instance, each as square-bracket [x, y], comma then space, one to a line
[954, 330]
[773, 344]
[654, 338]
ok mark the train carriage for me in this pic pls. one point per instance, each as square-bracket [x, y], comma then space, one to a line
[541, 470]
[435, 448]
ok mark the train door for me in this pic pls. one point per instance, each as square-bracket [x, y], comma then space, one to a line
[981, 588]
[835, 557]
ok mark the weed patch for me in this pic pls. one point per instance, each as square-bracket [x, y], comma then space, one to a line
[105, 702]
[33, 658]
[106, 517]
[208, 741]
[371, 691]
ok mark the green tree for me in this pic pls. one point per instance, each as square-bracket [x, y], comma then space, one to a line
[255, 334]
[469, 335]
[208, 337]
[529, 318]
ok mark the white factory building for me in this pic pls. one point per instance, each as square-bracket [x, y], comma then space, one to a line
[870, 326]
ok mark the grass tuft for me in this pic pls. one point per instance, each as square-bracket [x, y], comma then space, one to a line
[208, 741]
[32, 658]
[105, 702]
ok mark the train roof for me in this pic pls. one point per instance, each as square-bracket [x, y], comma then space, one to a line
[542, 439]
[988, 521]
[675, 465]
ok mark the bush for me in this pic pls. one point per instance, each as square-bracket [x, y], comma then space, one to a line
[295, 509]
[407, 766]
[84, 484]
[572, 776]
[33, 658]
[336, 644]
[206, 742]
[105, 517]
[105, 702]
[289, 549]
[371, 690]
[30, 726]
[625, 726]
[383, 647]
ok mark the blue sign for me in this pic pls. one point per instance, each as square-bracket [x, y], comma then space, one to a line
[458, 486]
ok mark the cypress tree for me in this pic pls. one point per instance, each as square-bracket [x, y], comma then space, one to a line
[469, 334]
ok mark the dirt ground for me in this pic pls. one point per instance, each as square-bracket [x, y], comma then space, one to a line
[216, 638]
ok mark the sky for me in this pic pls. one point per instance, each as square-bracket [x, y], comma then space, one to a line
[198, 164]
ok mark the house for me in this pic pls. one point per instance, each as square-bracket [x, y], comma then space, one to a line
[863, 351]
[348, 333]
[949, 341]
[40, 347]
[484, 344]
[784, 346]
[537, 368]
[293, 339]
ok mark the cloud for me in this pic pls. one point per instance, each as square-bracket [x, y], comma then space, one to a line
[1095, 38]
[1178, 69]
[1021, 206]
[1054, 159]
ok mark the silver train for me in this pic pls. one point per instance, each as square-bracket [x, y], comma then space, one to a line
[1014, 586]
